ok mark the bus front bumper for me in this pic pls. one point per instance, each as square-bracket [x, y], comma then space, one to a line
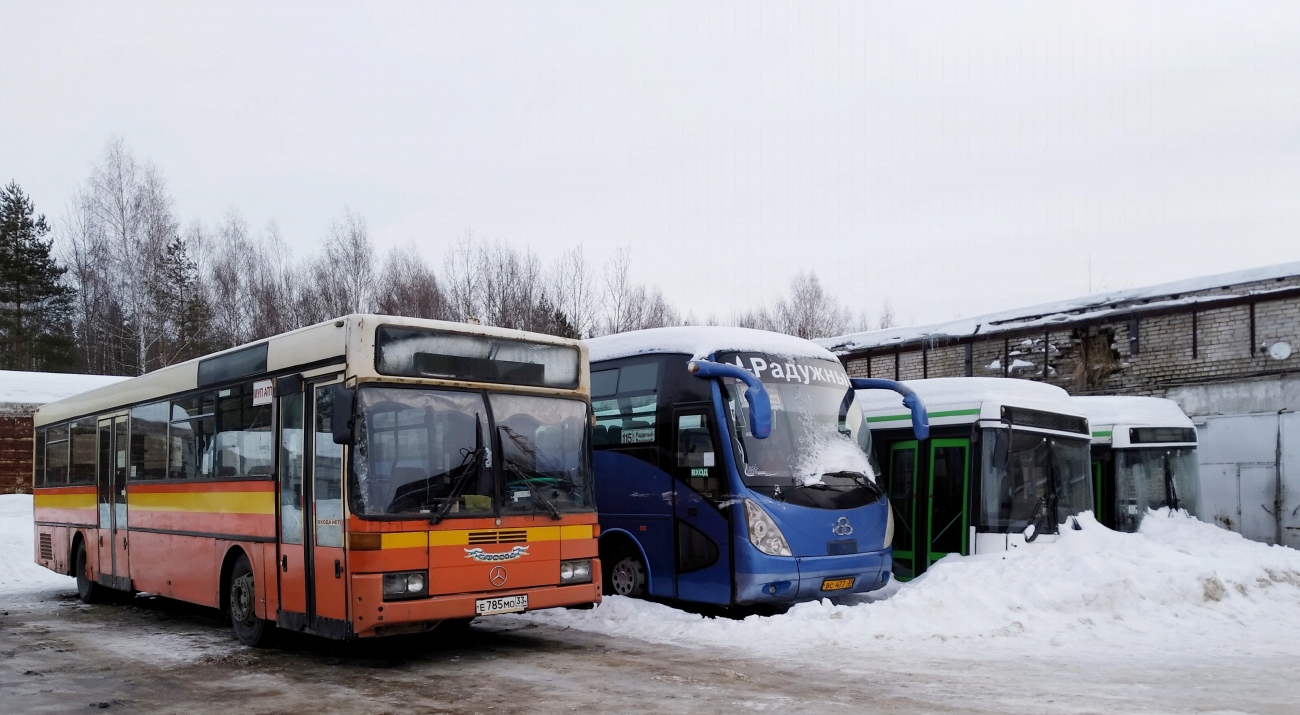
[769, 578]
[372, 616]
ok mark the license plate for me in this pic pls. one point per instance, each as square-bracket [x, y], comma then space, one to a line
[837, 584]
[505, 604]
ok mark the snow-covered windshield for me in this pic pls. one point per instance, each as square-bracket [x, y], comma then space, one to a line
[1155, 478]
[1029, 473]
[819, 436]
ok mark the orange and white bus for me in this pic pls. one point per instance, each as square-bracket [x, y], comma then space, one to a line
[362, 477]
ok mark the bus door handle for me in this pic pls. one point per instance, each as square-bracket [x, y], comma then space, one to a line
[101, 540]
[338, 569]
[284, 564]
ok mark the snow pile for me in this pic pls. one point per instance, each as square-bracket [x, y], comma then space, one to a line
[700, 341]
[1179, 585]
[39, 388]
[18, 569]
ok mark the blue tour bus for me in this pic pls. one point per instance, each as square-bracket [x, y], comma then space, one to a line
[732, 468]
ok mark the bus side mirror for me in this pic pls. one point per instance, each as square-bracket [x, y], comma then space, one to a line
[760, 406]
[912, 401]
[345, 401]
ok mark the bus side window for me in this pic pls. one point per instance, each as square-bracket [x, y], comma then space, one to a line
[625, 401]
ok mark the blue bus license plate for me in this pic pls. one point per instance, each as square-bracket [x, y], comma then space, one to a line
[836, 584]
[505, 604]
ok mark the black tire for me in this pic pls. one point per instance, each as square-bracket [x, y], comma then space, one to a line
[241, 606]
[87, 590]
[625, 575]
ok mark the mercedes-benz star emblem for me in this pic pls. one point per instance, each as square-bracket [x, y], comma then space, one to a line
[497, 575]
[842, 527]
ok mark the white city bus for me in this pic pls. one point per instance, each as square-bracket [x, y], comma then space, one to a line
[1005, 464]
[1143, 457]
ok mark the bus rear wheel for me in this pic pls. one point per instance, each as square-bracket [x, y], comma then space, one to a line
[87, 590]
[249, 629]
[626, 575]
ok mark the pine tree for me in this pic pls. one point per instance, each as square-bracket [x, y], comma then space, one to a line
[182, 313]
[35, 305]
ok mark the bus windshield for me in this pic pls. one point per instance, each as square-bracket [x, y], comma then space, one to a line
[430, 453]
[1028, 473]
[819, 438]
[1155, 478]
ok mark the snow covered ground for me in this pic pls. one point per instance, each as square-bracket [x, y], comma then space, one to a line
[19, 573]
[1181, 617]
[1178, 589]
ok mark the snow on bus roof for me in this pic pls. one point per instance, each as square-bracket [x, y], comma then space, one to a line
[938, 391]
[39, 388]
[1140, 411]
[1046, 314]
[699, 341]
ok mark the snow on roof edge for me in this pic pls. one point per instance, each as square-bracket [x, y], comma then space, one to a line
[1054, 312]
[40, 388]
[939, 391]
[1104, 410]
[699, 341]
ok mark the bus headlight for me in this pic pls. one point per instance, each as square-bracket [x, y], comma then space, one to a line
[406, 584]
[578, 571]
[763, 533]
[889, 526]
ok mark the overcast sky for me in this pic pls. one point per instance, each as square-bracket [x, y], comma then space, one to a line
[956, 158]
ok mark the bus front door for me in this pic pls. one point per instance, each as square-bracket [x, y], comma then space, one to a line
[329, 566]
[946, 529]
[294, 511]
[702, 530]
[902, 499]
[313, 574]
[113, 543]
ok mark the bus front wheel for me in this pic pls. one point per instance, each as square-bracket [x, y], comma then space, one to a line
[87, 590]
[249, 629]
[626, 575]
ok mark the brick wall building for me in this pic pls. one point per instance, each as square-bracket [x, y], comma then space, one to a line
[16, 448]
[1225, 347]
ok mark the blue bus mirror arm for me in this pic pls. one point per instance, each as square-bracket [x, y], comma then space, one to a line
[760, 406]
[911, 400]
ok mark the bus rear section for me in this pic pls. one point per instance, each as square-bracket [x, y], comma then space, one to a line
[1005, 464]
[363, 477]
[732, 468]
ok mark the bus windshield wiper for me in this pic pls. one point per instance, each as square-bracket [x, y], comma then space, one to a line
[533, 492]
[858, 478]
[1171, 491]
[469, 465]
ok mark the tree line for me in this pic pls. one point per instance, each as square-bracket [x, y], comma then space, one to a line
[119, 286]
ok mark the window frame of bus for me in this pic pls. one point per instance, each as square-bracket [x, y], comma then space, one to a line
[659, 363]
[464, 363]
[203, 395]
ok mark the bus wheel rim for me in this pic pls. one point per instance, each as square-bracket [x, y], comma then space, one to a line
[623, 578]
[241, 598]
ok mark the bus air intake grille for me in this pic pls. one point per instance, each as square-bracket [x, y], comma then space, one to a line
[516, 536]
[47, 547]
